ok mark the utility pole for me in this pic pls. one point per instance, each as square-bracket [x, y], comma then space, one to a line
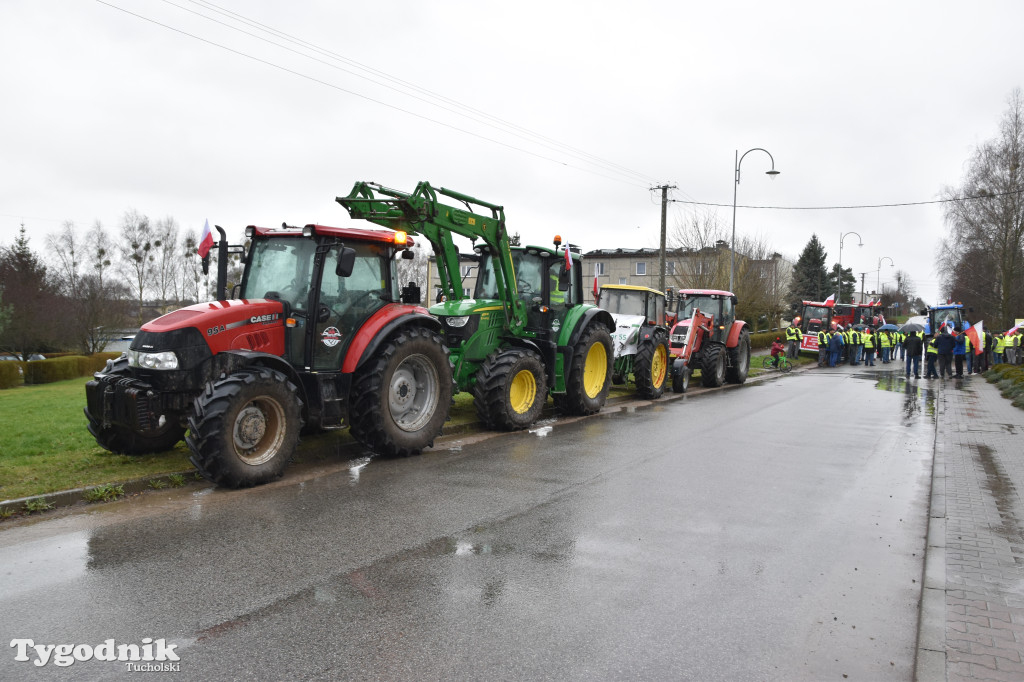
[862, 286]
[664, 212]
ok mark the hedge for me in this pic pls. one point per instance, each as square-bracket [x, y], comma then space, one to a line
[1010, 381]
[53, 369]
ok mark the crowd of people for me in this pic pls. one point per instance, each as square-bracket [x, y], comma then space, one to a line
[946, 354]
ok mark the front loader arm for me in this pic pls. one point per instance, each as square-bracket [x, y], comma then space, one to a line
[421, 213]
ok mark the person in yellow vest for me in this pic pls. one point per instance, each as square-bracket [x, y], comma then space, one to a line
[823, 338]
[793, 337]
[858, 346]
[931, 355]
[1000, 349]
[885, 345]
[869, 347]
[1016, 347]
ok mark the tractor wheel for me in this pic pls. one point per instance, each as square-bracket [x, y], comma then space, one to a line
[400, 398]
[650, 370]
[511, 389]
[127, 442]
[244, 428]
[712, 367]
[680, 378]
[739, 360]
[589, 377]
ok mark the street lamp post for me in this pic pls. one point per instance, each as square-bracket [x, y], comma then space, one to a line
[839, 275]
[772, 173]
[878, 273]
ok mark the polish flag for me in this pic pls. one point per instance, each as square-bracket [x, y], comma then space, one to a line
[974, 334]
[596, 289]
[206, 242]
[831, 300]
[568, 259]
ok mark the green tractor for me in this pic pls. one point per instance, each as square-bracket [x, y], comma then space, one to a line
[526, 331]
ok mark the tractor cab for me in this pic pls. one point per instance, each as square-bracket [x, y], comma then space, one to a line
[720, 305]
[640, 337]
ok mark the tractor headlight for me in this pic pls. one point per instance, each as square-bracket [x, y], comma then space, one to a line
[163, 360]
[457, 321]
[679, 338]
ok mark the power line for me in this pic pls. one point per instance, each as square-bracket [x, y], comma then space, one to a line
[834, 208]
[386, 104]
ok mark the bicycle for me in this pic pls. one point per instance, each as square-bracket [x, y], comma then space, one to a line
[784, 364]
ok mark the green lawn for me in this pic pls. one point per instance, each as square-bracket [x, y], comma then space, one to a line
[47, 448]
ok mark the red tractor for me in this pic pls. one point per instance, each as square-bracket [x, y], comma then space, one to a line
[707, 336]
[320, 337]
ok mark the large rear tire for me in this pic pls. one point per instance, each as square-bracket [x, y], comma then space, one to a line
[244, 428]
[510, 390]
[739, 360]
[400, 399]
[590, 374]
[712, 367]
[650, 369]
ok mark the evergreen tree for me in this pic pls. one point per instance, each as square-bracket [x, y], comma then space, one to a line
[36, 311]
[811, 281]
[849, 283]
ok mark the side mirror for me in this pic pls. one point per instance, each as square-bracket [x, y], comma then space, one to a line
[563, 279]
[346, 262]
[411, 294]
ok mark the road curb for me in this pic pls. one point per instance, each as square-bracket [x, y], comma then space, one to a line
[78, 496]
[930, 660]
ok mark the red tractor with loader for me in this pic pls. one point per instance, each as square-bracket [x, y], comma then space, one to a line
[320, 336]
[707, 336]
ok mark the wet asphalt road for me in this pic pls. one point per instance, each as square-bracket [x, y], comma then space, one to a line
[770, 532]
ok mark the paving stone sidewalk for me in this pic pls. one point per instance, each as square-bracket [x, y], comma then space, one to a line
[972, 615]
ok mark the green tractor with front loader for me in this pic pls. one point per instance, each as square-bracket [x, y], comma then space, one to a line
[525, 333]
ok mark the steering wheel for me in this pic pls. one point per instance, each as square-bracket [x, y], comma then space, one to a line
[357, 302]
[524, 287]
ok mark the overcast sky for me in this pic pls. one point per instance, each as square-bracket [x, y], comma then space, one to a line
[153, 105]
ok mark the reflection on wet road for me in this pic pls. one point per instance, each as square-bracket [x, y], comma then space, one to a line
[770, 532]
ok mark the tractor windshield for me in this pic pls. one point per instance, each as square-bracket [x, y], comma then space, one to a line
[952, 317]
[535, 277]
[623, 301]
[708, 305]
[816, 317]
[280, 268]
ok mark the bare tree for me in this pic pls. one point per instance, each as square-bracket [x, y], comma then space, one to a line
[99, 252]
[190, 267]
[705, 259]
[66, 252]
[166, 269]
[982, 257]
[137, 254]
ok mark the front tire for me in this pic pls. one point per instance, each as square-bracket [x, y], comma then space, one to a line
[400, 399]
[739, 360]
[650, 370]
[590, 373]
[510, 390]
[245, 427]
[680, 377]
[712, 367]
[124, 441]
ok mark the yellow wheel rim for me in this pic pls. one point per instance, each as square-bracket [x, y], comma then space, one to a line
[659, 366]
[523, 391]
[595, 370]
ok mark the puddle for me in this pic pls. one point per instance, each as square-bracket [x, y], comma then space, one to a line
[918, 398]
[1005, 495]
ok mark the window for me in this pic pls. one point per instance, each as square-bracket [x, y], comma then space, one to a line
[466, 292]
[670, 268]
[599, 269]
[641, 269]
[622, 280]
[466, 270]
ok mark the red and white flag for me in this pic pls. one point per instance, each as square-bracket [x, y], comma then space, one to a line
[568, 259]
[596, 290]
[831, 300]
[206, 241]
[974, 333]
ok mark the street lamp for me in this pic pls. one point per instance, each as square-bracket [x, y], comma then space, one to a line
[772, 173]
[839, 276]
[878, 272]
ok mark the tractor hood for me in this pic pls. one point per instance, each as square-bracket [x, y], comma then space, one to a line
[250, 324]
